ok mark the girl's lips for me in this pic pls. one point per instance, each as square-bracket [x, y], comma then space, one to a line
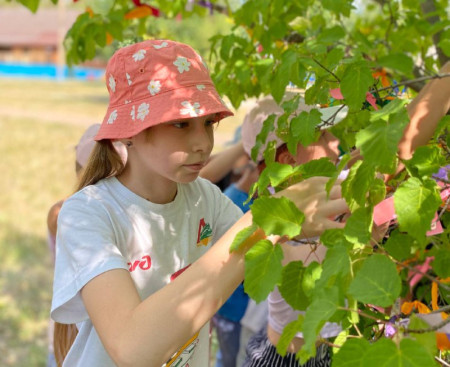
[195, 167]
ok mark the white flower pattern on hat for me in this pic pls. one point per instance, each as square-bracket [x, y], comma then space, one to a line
[162, 45]
[193, 110]
[112, 83]
[142, 111]
[200, 86]
[133, 113]
[139, 55]
[182, 64]
[112, 117]
[128, 79]
[154, 87]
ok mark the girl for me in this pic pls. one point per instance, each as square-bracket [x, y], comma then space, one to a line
[135, 267]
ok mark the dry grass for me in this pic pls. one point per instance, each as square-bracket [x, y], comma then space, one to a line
[40, 123]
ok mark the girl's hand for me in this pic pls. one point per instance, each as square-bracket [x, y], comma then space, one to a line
[310, 197]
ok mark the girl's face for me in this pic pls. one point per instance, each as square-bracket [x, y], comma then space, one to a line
[326, 146]
[174, 151]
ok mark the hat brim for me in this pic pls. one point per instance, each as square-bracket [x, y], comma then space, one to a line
[130, 119]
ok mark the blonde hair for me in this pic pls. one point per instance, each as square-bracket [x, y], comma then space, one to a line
[103, 162]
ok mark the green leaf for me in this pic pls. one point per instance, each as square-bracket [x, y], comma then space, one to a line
[377, 191]
[358, 226]
[321, 310]
[303, 126]
[415, 204]
[338, 6]
[291, 285]
[351, 354]
[397, 105]
[318, 167]
[270, 152]
[377, 282]
[289, 332]
[33, 5]
[441, 263]
[262, 269]
[260, 141]
[399, 245]
[355, 84]
[277, 216]
[444, 45]
[334, 237]
[379, 141]
[297, 282]
[357, 184]
[397, 61]
[277, 172]
[331, 35]
[428, 340]
[241, 237]
[101, 7]
[425, 161]
[282, 75]
[342, 164]
[335, 267]
[385, 353]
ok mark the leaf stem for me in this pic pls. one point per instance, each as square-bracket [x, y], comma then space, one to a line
[326, 69]
[362, 313]
[412, 81]
[430, 329]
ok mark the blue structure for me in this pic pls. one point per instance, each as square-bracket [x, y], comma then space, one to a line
[49, 71]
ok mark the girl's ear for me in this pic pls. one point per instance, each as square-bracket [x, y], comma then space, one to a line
[286, 158]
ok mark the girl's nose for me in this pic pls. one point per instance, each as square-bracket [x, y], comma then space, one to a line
[203, 139]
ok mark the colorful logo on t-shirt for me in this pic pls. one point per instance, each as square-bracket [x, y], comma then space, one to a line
[204, 233]
[144, 263]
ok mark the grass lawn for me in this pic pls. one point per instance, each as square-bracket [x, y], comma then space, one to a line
[40, 123]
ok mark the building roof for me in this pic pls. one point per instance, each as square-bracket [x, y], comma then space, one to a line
[20, 27]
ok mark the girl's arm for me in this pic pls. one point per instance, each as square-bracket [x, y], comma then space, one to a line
[146, 333]
[425, 111]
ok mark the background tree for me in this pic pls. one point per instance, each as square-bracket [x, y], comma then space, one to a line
[370, 56]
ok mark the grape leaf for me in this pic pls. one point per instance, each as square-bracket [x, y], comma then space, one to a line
[277, 216]
[262, 269]
[415, 203]
[377, 282]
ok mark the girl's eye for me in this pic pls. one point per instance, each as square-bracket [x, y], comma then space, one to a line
[180, 125]
[211, 122]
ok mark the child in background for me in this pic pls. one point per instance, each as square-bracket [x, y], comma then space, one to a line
[136, 269]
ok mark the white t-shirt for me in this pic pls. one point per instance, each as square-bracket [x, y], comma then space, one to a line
[106, 226]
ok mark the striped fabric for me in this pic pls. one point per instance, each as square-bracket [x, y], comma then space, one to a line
[261, 353]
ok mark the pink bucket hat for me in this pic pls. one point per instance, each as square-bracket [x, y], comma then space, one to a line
[254, 121]
[153, 82]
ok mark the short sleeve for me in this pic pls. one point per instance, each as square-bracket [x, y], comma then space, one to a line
[86, 246]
